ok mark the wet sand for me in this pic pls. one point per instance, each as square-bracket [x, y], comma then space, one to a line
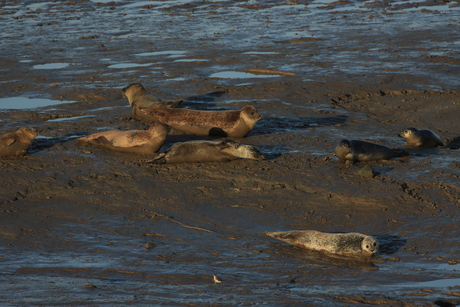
[81, 225]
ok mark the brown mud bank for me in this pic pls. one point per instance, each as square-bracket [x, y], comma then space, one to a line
[83, 225]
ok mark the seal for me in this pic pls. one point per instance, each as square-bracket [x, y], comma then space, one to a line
[135, 141]
[231, 123]
[344, 244]
[360, 151]
[207, 151]
[421, 138]
[138, 99]
[17, 143]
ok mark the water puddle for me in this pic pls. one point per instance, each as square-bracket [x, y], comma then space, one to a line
[169, 53]
[129, 65]
[230, 74]
[51, 66]
[70, 118]
[18, 103]
[260, 52]
[191, 60]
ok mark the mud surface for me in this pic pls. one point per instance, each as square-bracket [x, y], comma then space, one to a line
[86, 226]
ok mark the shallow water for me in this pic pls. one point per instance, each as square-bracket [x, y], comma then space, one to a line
[19, 103]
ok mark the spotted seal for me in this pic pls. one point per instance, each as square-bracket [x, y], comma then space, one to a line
[344, 244]
[421, 138]
[136, 141]
[17, 143]
[360, 151]
[207, 151]
[231, 123]
[138, 99]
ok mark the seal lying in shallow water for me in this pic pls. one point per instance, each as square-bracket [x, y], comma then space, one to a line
[231, 123]
[344, 244]
[207, 151]
[421, 138]
[17, 143]
[361, 151]
[138, 99]
[136, 141]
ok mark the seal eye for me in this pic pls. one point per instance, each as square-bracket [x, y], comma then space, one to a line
[367, 246]
[375, 244]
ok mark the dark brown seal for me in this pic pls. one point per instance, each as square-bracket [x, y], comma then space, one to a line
[17, 143]
[360, 151]
[136, 141]
[207, 151]
[421, 138]
[138, 99]
[231, 123]
[344, 244]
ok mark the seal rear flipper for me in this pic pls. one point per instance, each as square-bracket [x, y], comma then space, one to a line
[159, 159]
[175, 103]
[400, 153]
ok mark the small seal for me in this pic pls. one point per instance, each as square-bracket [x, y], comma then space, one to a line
[360, 151]
[344, 244]
[207, 151]
[138, 99]
[421, 138]
[136, 141]
[17, 143]
[231, 123]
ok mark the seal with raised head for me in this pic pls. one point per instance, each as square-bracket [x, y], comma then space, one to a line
[231, 123]
[421, 138]
[360, 151]
[138, 99]
[17, 143]
[207, 151]
[136, 141]
[344, 244]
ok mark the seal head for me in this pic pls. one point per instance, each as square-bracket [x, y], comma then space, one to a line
[138, 99]
[17, 143]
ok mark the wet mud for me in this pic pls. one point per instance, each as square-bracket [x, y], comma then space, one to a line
[81, 225]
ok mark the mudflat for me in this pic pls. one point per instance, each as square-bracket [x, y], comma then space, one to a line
[81, 225]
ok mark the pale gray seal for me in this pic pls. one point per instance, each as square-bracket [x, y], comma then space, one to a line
[361, 151]
[231, 123]
[344, 244]
[136, 141]
[17, 143]
[138, 99]
[207, 151]
[421, 138]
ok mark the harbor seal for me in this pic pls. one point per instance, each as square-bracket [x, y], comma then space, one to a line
[138, 99]
[231, 123]
[136, 141]
[360, 151]
[344, 244]
[207, 151]
[17, 143]
[421, 138]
